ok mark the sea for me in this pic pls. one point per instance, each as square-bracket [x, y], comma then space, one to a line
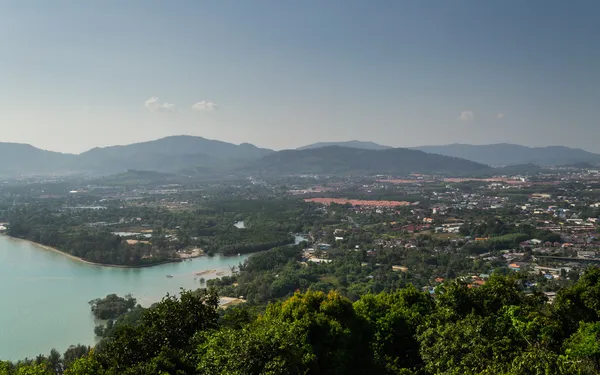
[44, 295]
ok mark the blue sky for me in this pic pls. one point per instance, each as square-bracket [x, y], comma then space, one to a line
[281, 74]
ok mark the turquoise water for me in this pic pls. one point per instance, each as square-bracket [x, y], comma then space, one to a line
[45, 295]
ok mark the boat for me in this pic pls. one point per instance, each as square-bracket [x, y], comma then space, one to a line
[170, 276]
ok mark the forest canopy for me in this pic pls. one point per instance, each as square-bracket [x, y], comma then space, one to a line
[497, 328]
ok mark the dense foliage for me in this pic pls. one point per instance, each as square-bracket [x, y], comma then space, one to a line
[353, 161]
[112, 306]
[66, 232]
[277, 273]
[494, 329]
[92, 232]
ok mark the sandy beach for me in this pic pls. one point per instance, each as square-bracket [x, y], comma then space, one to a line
[207, 272]
[73, 257]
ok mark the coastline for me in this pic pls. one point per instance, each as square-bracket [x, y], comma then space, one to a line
[78, 259]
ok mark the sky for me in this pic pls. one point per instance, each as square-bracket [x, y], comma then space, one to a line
[281, 74]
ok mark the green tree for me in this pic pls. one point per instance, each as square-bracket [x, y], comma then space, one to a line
[87, 365]
[334, 330]
[580, 302]
[584, 345]
[163, 333]
[393, 320]
[260, 348]
[73, 353]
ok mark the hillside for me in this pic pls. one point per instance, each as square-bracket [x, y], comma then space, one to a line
[510, 154]
[353, 144]
[168, 154]
[19, 158]
[346, 160]
[180, 145]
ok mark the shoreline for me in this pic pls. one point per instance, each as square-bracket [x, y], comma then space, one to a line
[81, 260]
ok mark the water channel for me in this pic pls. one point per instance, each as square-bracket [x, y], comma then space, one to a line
[45, 295]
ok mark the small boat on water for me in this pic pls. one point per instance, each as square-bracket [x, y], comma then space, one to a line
[170, 276]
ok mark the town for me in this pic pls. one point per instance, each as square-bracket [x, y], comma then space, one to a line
[412, 229]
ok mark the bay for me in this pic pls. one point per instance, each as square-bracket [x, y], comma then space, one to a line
[45, 294]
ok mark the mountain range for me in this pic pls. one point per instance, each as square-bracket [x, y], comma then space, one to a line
[499, 154]
[197, 155]
[201, 156]
[509, 154]
[164, 155]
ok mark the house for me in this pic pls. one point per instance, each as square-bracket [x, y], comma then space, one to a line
[551, 296]
[317, 260]
[540, 196]
[586, 254]
[575, 221]
[525, 244]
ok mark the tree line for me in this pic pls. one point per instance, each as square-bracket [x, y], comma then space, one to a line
[494, 329]
[89, 233]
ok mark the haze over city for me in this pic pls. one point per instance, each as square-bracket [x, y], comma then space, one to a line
[77, 75]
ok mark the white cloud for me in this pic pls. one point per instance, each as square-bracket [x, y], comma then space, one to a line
[204, 106]
[154, 105]
[500, 116]
[466, 116]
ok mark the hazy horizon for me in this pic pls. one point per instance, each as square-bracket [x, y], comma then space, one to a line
[79, 75]
[291, 148]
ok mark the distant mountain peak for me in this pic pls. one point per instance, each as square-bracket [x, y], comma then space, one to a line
[168, 154]
[512, 154]
[365, 145]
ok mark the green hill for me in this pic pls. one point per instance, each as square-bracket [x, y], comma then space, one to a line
[348, 161]
[170, 154]
[509, 154]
